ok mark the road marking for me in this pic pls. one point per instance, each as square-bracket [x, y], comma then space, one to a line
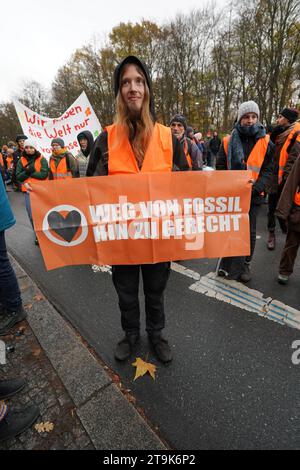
[233, 293]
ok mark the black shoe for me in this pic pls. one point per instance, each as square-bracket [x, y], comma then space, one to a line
[9, 388]
[161, 348]
[246, 275]
[16, 422]
[125, 347]
[10, 319]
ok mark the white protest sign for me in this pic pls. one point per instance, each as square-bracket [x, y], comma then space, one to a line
[79, 117]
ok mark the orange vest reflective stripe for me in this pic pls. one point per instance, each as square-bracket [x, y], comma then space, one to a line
[9, 162]
[256, 157]
[158, 157]
[186, 152]
[37, 167]
[61, 170]
[297, 198]
[284, 151]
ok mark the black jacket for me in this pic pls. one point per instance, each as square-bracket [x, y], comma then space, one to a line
[266, 171]
[98, 164]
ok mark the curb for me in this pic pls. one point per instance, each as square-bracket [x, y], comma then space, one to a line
[109, 419]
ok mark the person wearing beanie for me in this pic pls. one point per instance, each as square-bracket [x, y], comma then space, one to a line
[31, 167]
[180, 130]
[286, 137]
[86, 142]
[247, 148]
[62, 164]
[20, 139]
[125, 148]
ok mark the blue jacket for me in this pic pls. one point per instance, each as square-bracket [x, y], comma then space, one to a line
[7, 218]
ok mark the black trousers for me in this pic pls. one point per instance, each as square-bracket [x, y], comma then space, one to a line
[126, 282]
[235, 265]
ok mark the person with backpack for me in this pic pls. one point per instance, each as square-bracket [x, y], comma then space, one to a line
[193, 155]
[62, 164]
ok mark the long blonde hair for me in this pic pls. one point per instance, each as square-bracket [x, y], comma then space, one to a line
[139, 135]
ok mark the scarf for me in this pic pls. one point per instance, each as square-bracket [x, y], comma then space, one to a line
[236, 156]
[59, 153]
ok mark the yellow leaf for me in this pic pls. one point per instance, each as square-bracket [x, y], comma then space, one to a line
[44, 427]
[48, 427]
[39, 427]
[143, 367]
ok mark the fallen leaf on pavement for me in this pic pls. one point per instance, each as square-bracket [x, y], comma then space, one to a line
[38, 297]
[44, 427]
[143, 367]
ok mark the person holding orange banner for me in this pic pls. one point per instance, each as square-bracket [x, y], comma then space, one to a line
[247, 148]
[135, 144]
[31, 166]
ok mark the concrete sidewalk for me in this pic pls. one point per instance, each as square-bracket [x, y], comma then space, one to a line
[74, 390]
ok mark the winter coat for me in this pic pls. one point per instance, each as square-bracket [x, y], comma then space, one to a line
[214, 145]
[266, 171]
[83, 158]
[293, 152]
[28, 171]
[286, 208]
[7, 218]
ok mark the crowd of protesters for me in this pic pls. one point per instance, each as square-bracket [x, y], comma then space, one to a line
[272, 157]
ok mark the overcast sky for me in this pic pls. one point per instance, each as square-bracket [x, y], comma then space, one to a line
[37, 37]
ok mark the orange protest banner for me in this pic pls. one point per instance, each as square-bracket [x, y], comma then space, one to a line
[142, 219]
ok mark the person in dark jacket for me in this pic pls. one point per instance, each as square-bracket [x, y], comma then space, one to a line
[20, 139]
[288, 209]
[214, 147]
[193, 155]
[248, 147]
[86, 143]
[285, 136]
[136, 127]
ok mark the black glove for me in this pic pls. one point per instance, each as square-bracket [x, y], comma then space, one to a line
[29, 170]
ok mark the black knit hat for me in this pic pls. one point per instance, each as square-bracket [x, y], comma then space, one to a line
[131, 59]
[21, 137]
[179, 118]
[291, 114]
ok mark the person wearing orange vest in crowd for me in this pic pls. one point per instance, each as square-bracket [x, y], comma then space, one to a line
[10, 160]
[288, 209]
[286, 137]
[62, 164]
[20, 139]
[136, 144]
[247, 148]
[193, 154]
[31, 166]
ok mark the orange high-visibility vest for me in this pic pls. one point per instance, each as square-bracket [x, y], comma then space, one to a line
[37, 167]
[297, 197]
[60, 171]
[284, 151]
[256, 157]
[186, 152]
[158, 157]
[1, 160]
[9, 162]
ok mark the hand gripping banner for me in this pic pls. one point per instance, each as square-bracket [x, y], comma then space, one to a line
[142, 219]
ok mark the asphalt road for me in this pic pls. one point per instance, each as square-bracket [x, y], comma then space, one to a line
[232, 384]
